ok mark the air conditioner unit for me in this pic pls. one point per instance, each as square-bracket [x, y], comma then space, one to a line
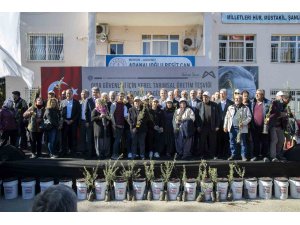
[189, 43]
[102, 31]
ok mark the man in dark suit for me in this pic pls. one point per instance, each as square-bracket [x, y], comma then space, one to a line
[90, 105]
[194, 104]
[209, 125]
[70, 110]
[222, 137]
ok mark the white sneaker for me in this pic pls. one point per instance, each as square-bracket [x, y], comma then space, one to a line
[150, 155]
[156, 155]
[129, 156]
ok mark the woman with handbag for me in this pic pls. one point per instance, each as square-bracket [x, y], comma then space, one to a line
[52, 123]
[35, 121]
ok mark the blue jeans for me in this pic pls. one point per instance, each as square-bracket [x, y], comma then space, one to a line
[233, 145]
[51, 137]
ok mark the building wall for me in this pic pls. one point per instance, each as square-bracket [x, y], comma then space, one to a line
[72, 25]
[271, 75]
[131, 37]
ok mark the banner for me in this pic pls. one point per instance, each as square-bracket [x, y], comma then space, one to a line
[59, 79]
[10, 48]
[149, 61]
[149, 78]
[264, 18]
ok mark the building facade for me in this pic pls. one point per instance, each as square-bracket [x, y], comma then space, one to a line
[267, 43]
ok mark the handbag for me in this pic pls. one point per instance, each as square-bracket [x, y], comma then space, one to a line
[47, 124]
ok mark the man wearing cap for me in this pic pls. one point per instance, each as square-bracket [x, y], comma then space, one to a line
[208, 126]
[155, 130]
[277, 124]
[51, 94]
[236, 121]
[237, 92]
[183, 125]
[138, 118]
[279, 95]
[20, 106]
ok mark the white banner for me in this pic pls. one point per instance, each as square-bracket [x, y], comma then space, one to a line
[151, 79]
[10, 48]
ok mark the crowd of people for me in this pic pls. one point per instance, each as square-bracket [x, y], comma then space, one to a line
[192, 124]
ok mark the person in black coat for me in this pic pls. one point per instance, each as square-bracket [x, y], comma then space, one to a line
[89, 107]
[209, 125]
[155, 130]
[102, 129]
[138, 119]
[194, 104]
[169, 139]
[70, 111]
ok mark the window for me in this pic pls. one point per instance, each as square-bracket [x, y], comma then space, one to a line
[160, 44]
[45, 47]
[116, 49]
[237, 48]
[285, 49]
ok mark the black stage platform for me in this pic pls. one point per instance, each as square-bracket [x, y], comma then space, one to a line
[73, 168]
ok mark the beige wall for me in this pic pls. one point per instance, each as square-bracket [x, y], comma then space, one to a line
[73, 25]
[132, 38]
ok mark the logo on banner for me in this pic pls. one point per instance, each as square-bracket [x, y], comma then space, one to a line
[211, 73]
[118, 62]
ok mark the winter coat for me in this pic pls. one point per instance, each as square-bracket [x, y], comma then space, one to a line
[98, 124]
[245, 117]
[7, 120]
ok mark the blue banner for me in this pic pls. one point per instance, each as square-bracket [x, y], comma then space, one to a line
[149, 61]
[264, 18]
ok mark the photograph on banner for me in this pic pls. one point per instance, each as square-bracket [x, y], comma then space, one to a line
[238, 77]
